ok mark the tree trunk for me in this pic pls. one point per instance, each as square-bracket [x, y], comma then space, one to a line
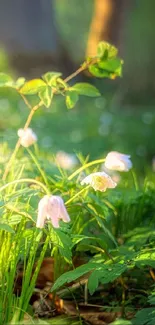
[106, 23]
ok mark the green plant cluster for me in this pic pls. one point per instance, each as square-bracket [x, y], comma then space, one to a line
[112, 230]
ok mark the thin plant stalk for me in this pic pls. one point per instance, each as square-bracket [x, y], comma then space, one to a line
[77, 194]
[29, 279]
[28, 121]
[38, 166]
[83, 67]
[26, 180]
[89, 164]
[135, 179]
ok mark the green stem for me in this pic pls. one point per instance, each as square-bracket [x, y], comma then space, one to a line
[91, 163]
[38, 166]
[135, 180]
[77, 194]
[25, 180]
[13, 156]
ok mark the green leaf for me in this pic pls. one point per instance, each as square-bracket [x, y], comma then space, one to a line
[4, 226]
[46, 96]
[101, 224]
[86, 89]
[106, 50]
[71, 99]
[113, 66]
[65, 245]
[61, 83]
[145, 258]
[105, 274]
[98, 72]
[5, 80]
[73, 275]
[63, 242]
[145, 316]
[108, 64]
[14, 219]
[20, 82]
[93, 281]
[151, 298]
[32, 87]
[50, 77]
[121, 322]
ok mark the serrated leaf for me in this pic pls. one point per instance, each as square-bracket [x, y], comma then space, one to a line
[93, 282]
[106, 50]
[46, 96]
[145, 258]
[73, 275]
[151, 298]
[5, 80]
[145, 316]
[32, 87]
[71, 99]
[63, 242]
[86, 89]
[105, 274]
[4, 226]
[65, 245]
[50, 77]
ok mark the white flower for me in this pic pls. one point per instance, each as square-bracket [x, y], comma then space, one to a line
[118, 161]
[99, 181]
[51, 208]
[27, 137]
[65, 160]
[112, 173]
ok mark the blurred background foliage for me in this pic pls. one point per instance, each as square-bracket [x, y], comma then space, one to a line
[55, 35]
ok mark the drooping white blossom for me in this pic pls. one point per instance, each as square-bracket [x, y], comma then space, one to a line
[51, 208]
[65, 160]
[27, 137]
[112, 173]
[100, 181]
[118, 161]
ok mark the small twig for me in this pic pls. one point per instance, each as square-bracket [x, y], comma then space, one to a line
[25, 100]
[84, 66]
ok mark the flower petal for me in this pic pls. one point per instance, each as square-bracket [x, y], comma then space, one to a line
[27, 137]
[42, 212]
[118, 161]
[100, 181]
